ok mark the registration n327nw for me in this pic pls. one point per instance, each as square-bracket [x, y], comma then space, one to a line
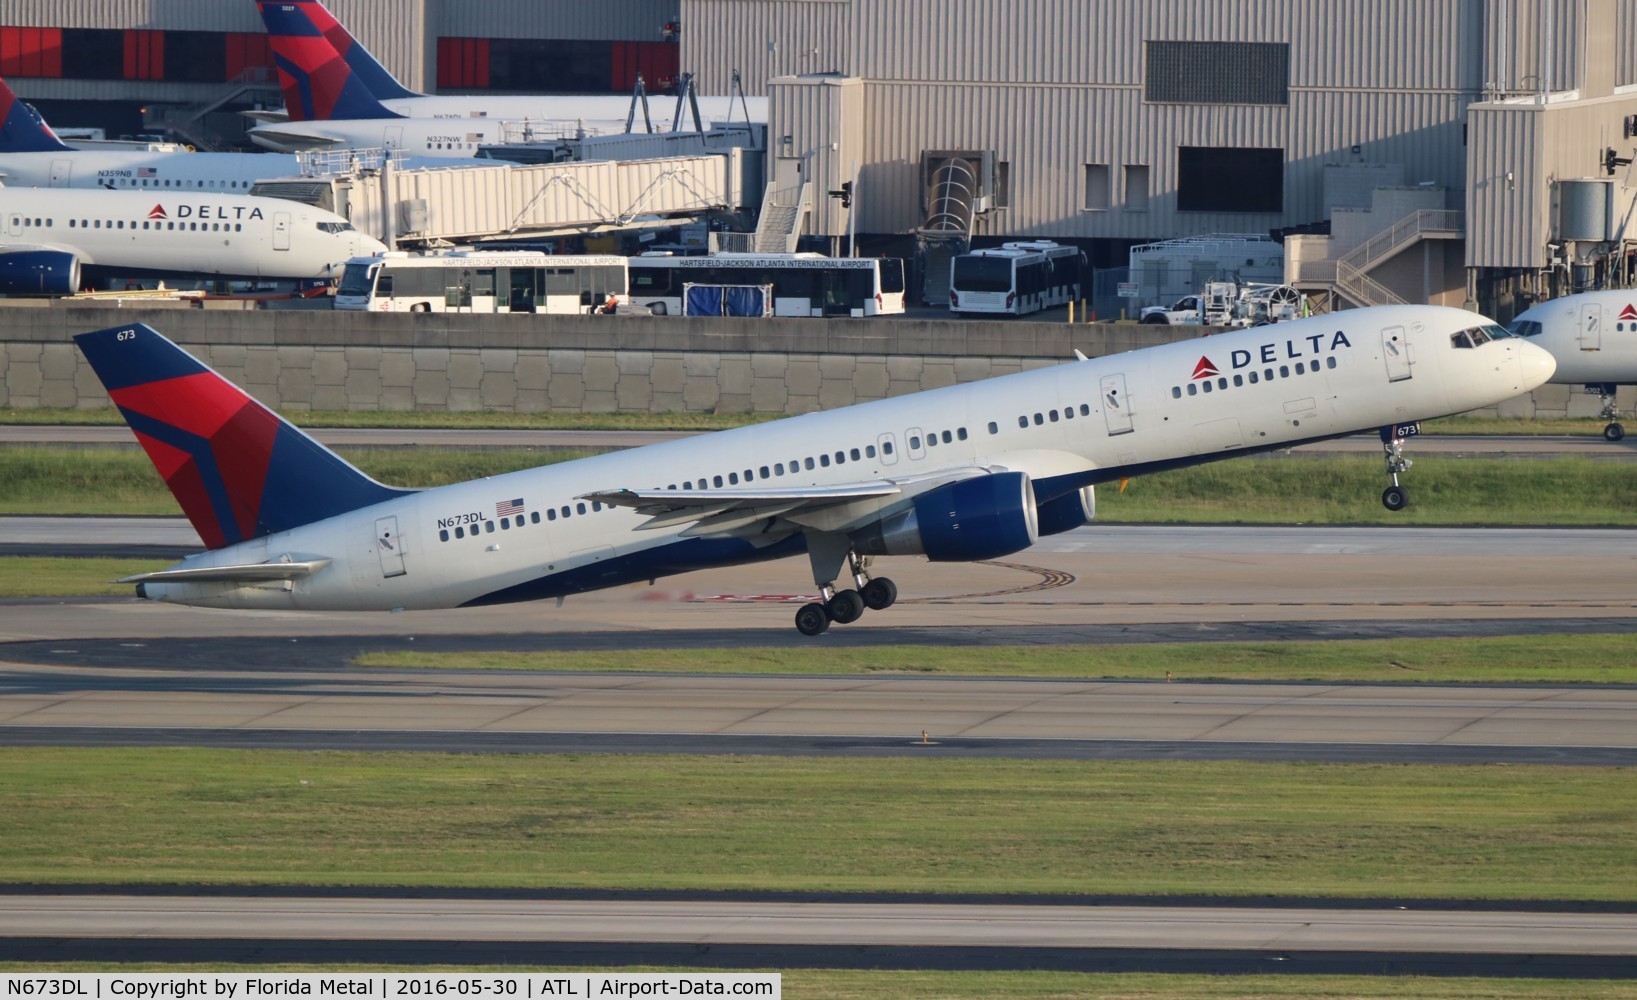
[969, 472]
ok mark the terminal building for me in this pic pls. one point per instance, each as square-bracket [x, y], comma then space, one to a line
[1460, 152]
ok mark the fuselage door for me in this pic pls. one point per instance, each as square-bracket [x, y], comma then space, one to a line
[1591, 327]
[390, 547]
[281, 230]
[1116, 408]
[912, 439]
[14, 224]
[393, 138]
[62, 172]
[1395, 348]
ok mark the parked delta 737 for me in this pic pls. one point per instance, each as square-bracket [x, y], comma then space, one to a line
[1593, 336]
[968, 472]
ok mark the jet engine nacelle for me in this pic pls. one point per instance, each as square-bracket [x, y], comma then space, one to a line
[1066, 513]
[979, 518]
[39, 272]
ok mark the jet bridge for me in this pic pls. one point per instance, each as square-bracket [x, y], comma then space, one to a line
[459, 204]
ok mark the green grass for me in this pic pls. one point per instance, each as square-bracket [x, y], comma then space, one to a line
[1549, 659]
[820, 824]
[29, 576]
[1264, 490]
[875, 984]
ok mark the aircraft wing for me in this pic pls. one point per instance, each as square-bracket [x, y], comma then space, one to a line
[843, 507]
[245, 573]
[714, 512]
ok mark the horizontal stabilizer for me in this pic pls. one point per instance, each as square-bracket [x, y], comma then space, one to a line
[247, 573]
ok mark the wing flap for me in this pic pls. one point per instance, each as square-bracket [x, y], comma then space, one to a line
[716, 512]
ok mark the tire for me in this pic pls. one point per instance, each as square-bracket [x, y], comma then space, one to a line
[879, 594]
[1395, 498]
[1614, 432]
[1155, 320]
[811, 619]
[846, 607]
[420, 307]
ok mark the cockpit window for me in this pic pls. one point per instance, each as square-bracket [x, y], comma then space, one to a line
[1461, 339]
[335, 227]
[1525, 328]
[1496, 331]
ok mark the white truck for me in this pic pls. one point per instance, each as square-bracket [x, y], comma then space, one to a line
[1226, 303]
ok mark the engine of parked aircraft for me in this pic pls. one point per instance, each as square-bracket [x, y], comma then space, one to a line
[39, 272]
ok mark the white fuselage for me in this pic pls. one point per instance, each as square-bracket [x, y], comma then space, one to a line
[456, 126]
[1593, 335]
[142, 170]
[1067, 427]
[181, 233]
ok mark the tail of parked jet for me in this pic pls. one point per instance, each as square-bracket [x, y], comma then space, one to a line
[22, 130]
[238, 469]
[324, 71]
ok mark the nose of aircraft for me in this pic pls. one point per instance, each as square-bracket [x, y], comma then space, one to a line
[1537, 363]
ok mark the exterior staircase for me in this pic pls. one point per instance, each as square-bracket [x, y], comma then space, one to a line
[779, 225]
[1351, 278]
[188, 122]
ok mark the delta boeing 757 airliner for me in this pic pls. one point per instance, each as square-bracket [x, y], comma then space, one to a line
[969, 472]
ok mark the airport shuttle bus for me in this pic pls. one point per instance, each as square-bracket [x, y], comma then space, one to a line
[1015, 278]
[482, 281]
[804, 284]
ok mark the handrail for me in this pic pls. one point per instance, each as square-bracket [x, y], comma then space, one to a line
[1403, 232]
[1364, 289]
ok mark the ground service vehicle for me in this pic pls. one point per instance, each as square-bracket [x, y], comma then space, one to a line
[804, 284]
[484, 282]
[1015, 278]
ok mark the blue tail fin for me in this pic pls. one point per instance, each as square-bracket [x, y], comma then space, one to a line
[324, 72]
[22, 130]
[238, 469]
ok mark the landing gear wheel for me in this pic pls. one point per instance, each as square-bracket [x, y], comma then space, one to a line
[879, 594]
[1395, 498]
[845, 608]
[1614, 432]
[811, 619]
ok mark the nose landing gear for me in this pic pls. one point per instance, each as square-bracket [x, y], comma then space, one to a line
[1396, 497]
[1605, 392]
[828, 553]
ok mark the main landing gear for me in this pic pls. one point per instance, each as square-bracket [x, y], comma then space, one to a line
[1396, 497]
[1613, 432]
[828, 554]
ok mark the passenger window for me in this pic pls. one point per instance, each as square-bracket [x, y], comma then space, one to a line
[947, 437]
[551, 515]
[717, 480]
[565, 511]
[489, 526]
[914, 444]
[733, 479]
[1023, 422]
[1238, 380]
[1284, 371]
[886, 448]
[841, 457]
[1193, 389]
[809, 464]
[1085, 410]
[579, 508]
[1206, 385]
[596, 505]
[869, 451]
[778, 469]
[1222, 383]
[505, 524]
[460, 532]
[961, 433]
[443, 536]
[534, 516]
[1039, 419]
[994, 428]
[1328, 363]
[1253, 378]
[855, 454]
[1176, 392]
[824, 460]
[1053, 416]
[764, 472]
[1301, 369]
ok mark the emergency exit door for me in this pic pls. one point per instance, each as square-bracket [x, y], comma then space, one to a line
[390, 547]
[1116, 408]
[1395, 350]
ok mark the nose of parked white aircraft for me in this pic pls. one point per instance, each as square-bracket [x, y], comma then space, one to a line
[1537, 363]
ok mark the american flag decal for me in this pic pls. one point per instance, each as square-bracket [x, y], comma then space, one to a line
[146, 172]
[474, 137]
[509, 508]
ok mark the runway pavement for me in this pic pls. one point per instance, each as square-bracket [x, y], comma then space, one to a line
[711, 933]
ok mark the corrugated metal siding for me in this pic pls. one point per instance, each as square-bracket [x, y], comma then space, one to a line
[1625, 49]
[1030, 41]
[825, 120]
[610, 20]
[1388, 44]
[1506, 220]
[395, 33]
[1048, 134]
[193, 15]
[763, 40]
[1518, 31]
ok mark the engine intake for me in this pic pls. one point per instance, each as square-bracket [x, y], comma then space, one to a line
[979, 518]
[1065, 513]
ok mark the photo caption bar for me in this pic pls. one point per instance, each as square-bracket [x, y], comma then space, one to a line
[389, 986]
